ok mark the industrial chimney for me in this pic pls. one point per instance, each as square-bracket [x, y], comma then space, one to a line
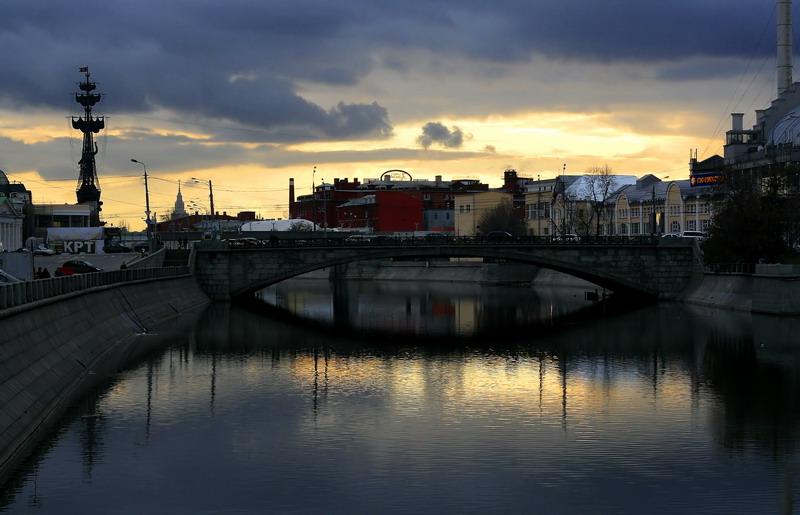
[784, 10]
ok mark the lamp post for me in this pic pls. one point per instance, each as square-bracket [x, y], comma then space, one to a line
[211, 202]
[146, 206]
[314, 198]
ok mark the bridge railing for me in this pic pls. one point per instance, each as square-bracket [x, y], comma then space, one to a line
[378, 240]
[733, 268]
[24, 292]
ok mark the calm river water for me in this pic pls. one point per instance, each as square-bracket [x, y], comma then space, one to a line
[439, 398]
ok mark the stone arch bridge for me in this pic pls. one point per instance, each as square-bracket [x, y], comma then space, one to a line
[659, 269]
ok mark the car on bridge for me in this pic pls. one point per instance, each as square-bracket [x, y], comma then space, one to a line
[437, 237]
[499, 237]
[244, 243]
[359, 238]
[77, 266]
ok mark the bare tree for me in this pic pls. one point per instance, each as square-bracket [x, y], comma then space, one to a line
[503, 217]
[601, 184]
[755, 216]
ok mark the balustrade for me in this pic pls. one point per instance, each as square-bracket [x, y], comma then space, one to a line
[25, 292]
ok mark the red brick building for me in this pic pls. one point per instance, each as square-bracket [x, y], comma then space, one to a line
[382, 211]
[436, 197]
[320, 207]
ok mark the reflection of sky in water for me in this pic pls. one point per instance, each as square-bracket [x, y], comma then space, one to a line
[667, 409]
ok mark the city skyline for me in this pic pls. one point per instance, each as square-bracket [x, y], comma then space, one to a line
[250, 94]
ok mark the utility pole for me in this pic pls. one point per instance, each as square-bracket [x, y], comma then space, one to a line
[314, 198]
[654, 209]
[539, 205]
[214, 236]
[146, 206]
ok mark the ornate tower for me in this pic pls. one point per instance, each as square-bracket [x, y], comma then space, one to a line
[88, 186]
[179, 211]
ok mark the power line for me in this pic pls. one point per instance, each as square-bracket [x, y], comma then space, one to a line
[726, 111]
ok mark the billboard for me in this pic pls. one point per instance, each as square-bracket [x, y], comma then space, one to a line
[74, 240]
[705, 179]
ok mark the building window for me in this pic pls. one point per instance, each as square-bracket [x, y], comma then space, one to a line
[703, 225]
[623, 229]
[635, 228]
[691, 225]
[635, 212]
[469, 208]
[675, 227]
[426, 196]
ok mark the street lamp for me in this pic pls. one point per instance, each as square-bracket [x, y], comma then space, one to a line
[193, 204]
[211, 202]
[324, 207]
[147, 206]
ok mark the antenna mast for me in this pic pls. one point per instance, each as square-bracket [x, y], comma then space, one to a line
[784, 26]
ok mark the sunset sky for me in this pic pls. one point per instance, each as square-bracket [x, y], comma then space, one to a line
[248, 93]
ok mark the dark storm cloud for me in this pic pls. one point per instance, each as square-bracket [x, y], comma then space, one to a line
[245, 63]
[436, 133]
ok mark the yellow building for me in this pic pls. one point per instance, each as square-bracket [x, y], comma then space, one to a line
[538, 207]
[652, 206]
[632, 207]
[470, 207]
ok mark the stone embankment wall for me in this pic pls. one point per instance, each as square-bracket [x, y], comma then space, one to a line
[53, 350]
[772, 289]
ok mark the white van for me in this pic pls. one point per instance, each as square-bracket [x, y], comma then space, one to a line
[6, 278]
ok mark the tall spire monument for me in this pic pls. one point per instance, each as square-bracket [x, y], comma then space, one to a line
[88, 186]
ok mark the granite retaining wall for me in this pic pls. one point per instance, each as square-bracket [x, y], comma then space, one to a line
[53, 350]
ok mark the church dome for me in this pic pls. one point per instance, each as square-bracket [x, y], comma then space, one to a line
[787, 130]
[3, 178]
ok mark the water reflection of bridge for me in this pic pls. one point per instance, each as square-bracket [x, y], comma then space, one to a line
[651, 268]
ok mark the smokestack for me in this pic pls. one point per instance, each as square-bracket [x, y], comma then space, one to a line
[737, 121]
[784, 8]
[291, 192]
